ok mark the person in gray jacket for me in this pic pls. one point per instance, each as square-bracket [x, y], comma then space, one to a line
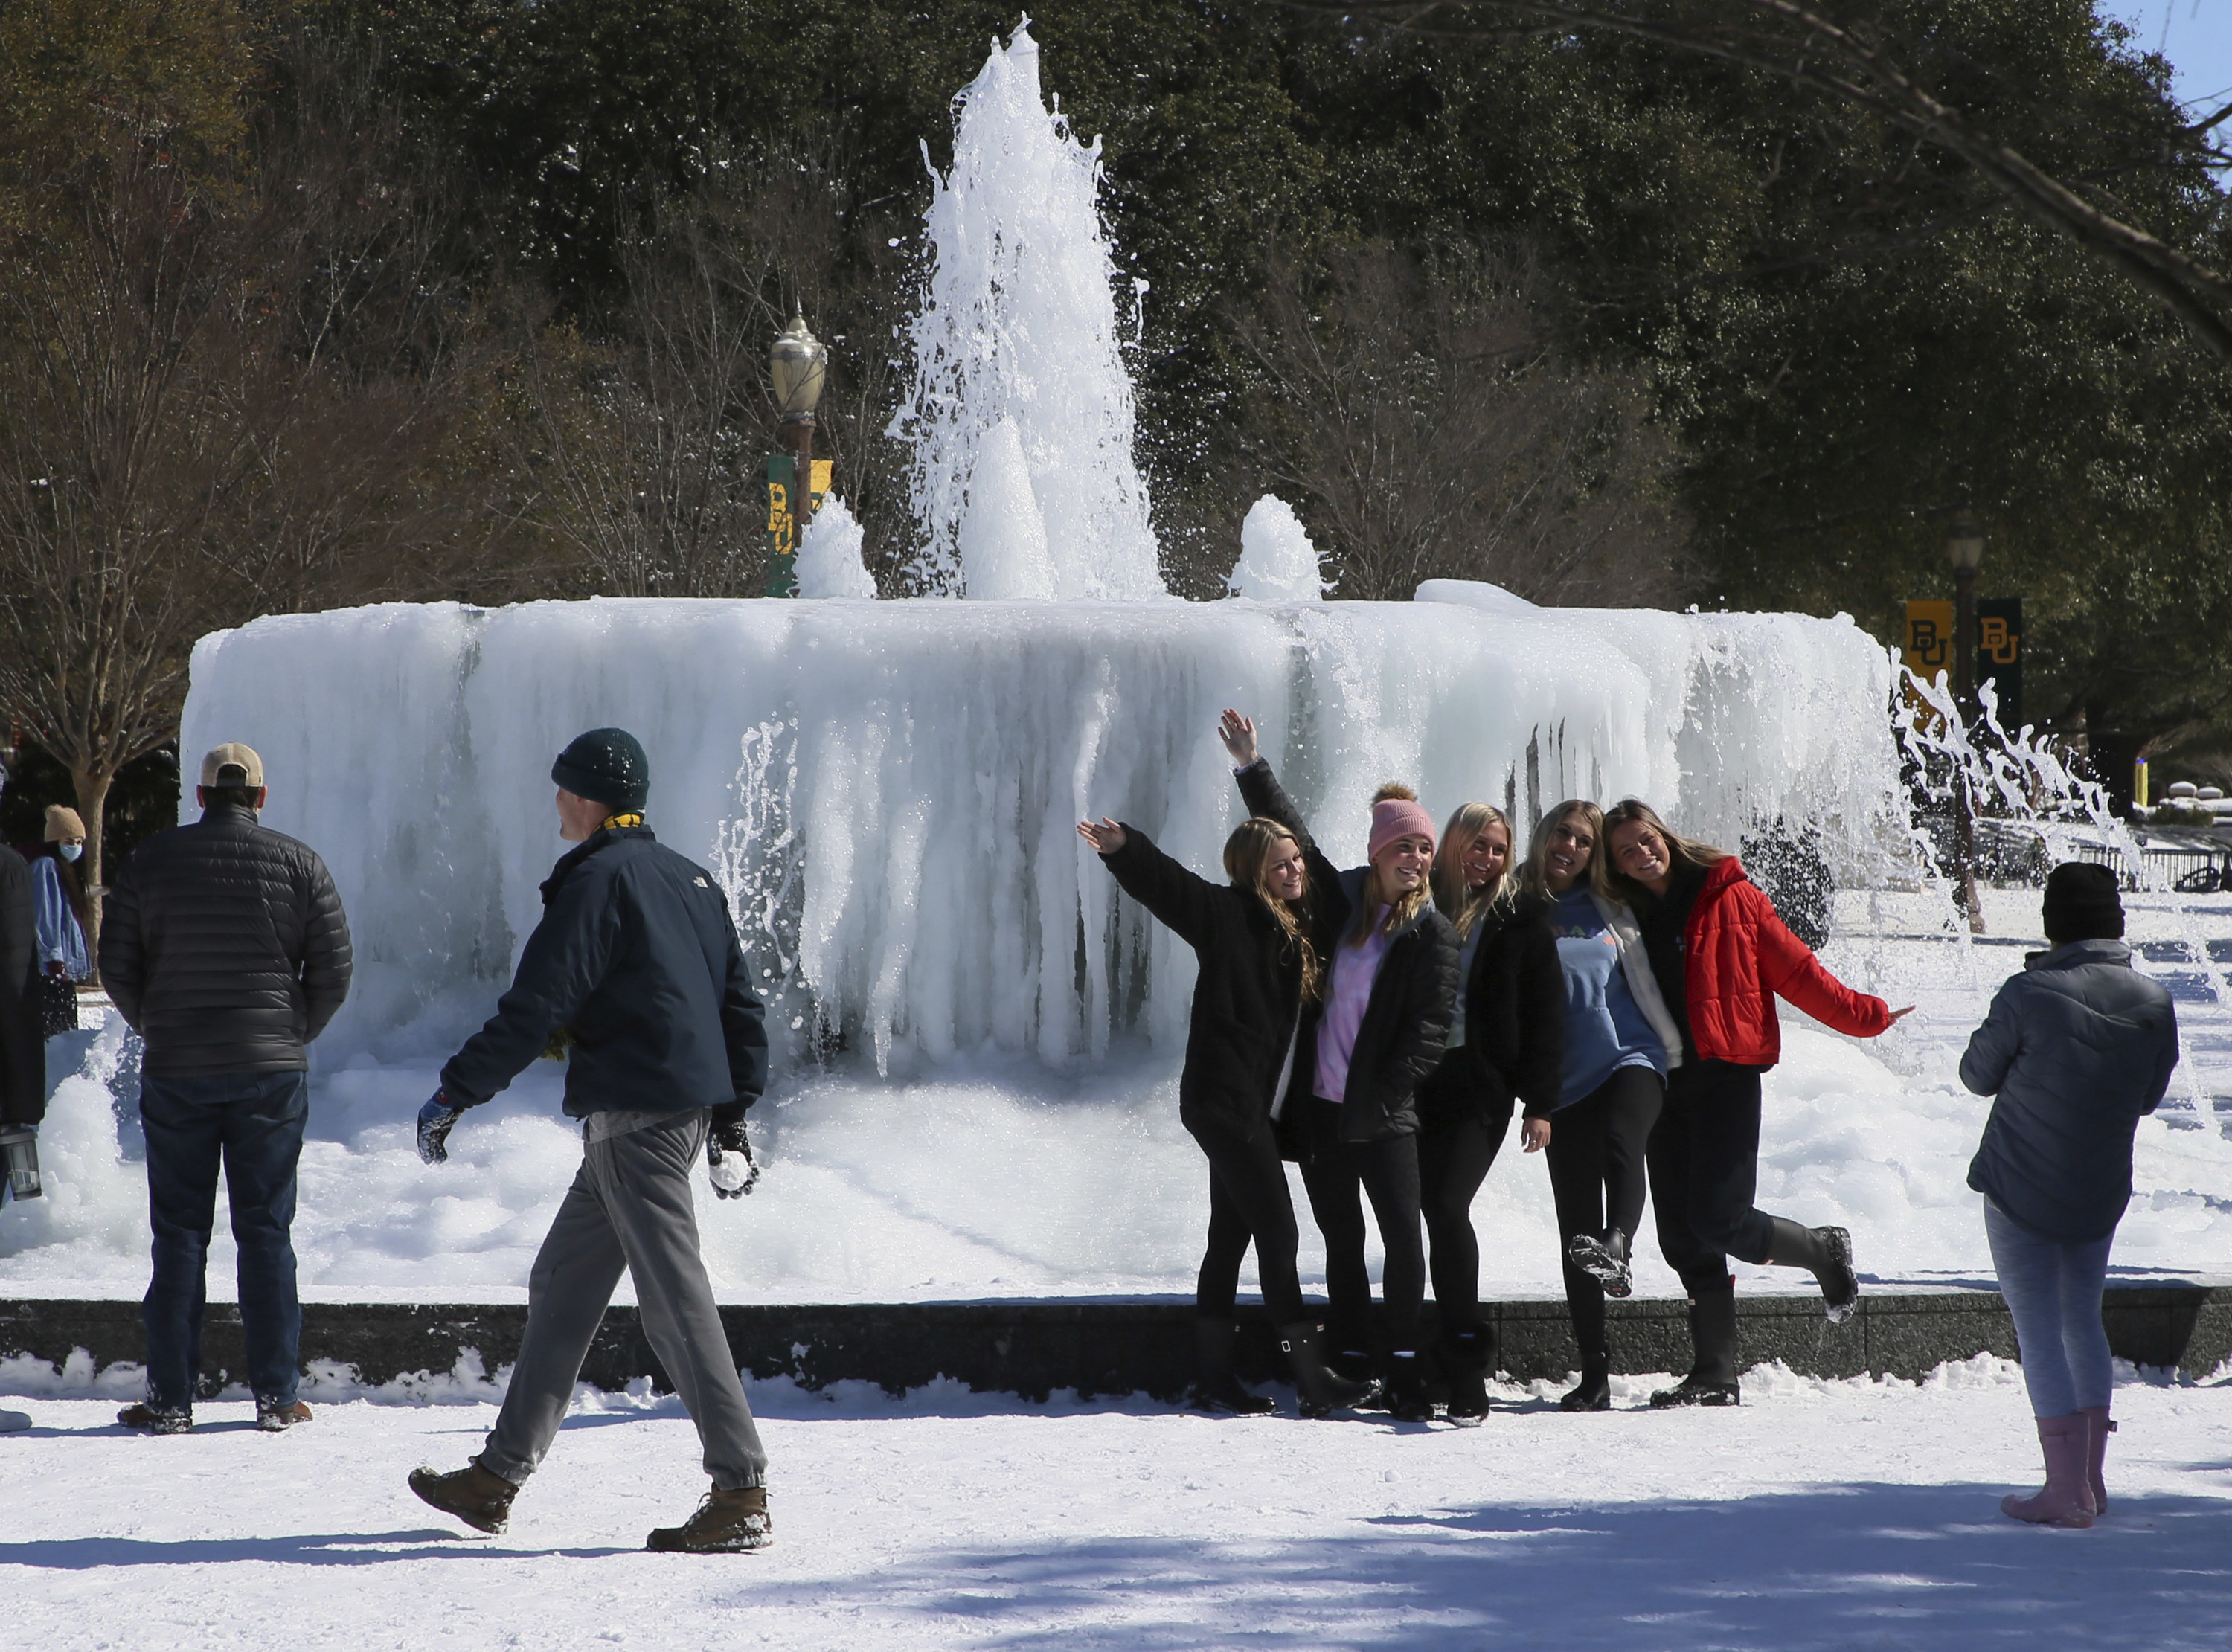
[2076, 1050]
[637, 960]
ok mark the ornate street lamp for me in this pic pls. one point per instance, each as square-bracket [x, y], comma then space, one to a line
[798, 365]
[1964, 548]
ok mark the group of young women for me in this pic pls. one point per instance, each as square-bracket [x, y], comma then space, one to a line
[1379, 1027]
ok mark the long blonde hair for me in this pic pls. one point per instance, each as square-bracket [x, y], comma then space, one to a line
[1247, 861]
[1461, 903]
[1634, 811]
[1399, 912]
[1534, 878]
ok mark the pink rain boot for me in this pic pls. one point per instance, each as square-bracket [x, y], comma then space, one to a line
[2066, 1499]
[2096, 1417]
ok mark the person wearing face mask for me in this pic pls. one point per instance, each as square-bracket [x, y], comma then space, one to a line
[58, 897]
[1351, 1111]
[1258, 974]
[1721, 957]
[1505, 1042]
[1619, 1044]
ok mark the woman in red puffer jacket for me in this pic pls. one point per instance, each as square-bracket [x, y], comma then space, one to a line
[1721, 957]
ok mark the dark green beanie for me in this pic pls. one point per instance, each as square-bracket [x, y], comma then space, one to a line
[608, 766]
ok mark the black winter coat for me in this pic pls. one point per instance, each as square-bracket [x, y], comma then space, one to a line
[224, 946]
[638, 958]
[22, 1030]
[1247, 998]
[1406, 1021]
[1515, 1022]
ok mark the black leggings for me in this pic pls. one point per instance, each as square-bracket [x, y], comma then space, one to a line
[1247, 1201]
[1387, 1169]
[1704, 1173]
[1598, 1179]
[1455, 1151]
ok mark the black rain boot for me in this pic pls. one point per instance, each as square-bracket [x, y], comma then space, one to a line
[1712, 1378]
[1826, 1253]
[1319, 1391]
[1407, 1392]
[1215, 1390]
[1594, 1391]
[1603, 1259]
[1466, 1357]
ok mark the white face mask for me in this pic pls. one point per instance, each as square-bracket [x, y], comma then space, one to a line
[69, 851]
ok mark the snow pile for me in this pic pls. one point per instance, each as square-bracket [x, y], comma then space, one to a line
[1018, 321]
[829, 562]
[1277, 561]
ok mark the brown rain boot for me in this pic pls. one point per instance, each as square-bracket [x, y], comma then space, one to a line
[725, 1523]
[476, 1495]
[277, 1419]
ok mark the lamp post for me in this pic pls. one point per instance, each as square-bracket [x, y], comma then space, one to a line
[799, 363]
[1964, 548]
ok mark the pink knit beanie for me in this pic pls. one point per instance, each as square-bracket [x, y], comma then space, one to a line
[1399, 816]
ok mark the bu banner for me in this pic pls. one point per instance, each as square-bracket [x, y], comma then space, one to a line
[1999, 648]
[782, 525]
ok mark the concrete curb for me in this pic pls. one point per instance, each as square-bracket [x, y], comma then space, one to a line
[1135, 1345]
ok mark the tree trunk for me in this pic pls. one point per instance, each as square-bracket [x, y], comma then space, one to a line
[92, 803]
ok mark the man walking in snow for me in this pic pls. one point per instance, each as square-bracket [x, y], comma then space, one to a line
[636, 960]
[224, 947]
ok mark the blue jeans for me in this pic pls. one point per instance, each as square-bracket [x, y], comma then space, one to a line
[251, 1124]
[2054, 1292]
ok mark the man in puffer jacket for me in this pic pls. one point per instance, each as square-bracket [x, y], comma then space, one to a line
[2078, 1048]
[224, 947]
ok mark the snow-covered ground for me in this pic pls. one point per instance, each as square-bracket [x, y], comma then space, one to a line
[1820, 1515]
[1007, 1178]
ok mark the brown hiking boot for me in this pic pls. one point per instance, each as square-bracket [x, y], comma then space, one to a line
[725, 1523]
[157, 1419]
[482, 1499]
[277, 1419]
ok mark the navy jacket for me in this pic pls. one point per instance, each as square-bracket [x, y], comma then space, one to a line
[23, 1032]
[637, 957]
[2076, 1049]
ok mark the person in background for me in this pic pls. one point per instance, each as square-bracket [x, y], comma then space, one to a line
[1257, 971]
[1721, 956]
[1505, 1042]
[637, 957]
[22, 1047]
[1619, 1043]
[1351, 1115]
[2075, 1051]
[225, 948]
[58, 892]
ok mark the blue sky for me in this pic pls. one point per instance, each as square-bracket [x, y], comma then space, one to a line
[2195, 35]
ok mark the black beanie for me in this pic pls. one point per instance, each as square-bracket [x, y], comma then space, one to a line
[607, 766]
[2082, 903]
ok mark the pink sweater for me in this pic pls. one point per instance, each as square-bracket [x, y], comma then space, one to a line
[1354, 970]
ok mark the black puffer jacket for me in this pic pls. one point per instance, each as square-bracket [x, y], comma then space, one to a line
[1406, 1021]
[1515, 1022]
[1246, 999]
[23, 1041]
[224, 946]
[637, 957]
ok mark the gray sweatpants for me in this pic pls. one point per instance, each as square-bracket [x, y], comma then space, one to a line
[2052, 1292]
[629, 1207]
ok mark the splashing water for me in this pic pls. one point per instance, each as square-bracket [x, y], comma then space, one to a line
[829, 555]
[1277, 561]
[1018, 321]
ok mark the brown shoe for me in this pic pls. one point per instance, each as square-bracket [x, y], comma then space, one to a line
[277, 1419]
[725, 1523]
[482, 1499]
[157, 1419]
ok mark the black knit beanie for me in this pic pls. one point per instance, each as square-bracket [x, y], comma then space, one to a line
[607, 766]
[2082, 903]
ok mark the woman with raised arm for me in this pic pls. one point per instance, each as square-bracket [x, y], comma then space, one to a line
[1619, 1043]
[1351, 1115]
[1721, 957]
[1505, 1042]
[1258, 970]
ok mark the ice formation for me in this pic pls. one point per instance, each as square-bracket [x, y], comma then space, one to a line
[1003, 537]
[829, 561]
[1277, 561]
[1018, 321]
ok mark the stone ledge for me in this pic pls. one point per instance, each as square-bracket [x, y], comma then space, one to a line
[1139, 1345]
